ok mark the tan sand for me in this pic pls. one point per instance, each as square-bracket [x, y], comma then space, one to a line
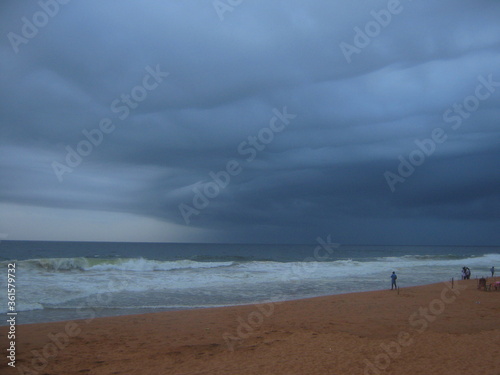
[422, 330]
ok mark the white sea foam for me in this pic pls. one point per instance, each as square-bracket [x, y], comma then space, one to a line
[72, 282]
[143, 265]
[128, 264]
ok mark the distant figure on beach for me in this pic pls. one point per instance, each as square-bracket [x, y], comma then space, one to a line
[492, 269]
[465, 273]
[393, 280]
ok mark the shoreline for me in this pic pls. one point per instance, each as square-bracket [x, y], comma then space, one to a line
[364, 332]
[166, 310]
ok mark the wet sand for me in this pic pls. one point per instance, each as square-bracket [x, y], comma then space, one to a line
[430, 329]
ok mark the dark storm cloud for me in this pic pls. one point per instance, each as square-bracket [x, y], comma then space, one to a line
[322, 173]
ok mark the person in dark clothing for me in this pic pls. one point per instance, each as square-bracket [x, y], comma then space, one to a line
[393, 280]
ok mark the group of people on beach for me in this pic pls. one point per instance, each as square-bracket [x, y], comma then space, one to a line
[465, 273]
[465, 276]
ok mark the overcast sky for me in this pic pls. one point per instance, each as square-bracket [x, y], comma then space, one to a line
[377, 122]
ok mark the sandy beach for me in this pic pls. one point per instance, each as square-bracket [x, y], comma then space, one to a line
[432, 329]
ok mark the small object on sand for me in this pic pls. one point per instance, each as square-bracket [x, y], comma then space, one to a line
[482, 284]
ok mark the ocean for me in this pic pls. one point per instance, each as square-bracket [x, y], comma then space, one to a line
[57, 281]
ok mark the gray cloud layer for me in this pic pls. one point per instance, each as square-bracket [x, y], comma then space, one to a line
[323, 173]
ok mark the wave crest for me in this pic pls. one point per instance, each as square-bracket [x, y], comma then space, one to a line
[119, 264]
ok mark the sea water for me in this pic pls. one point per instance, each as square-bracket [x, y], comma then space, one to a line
[82, 280]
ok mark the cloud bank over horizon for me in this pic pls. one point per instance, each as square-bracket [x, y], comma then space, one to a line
[376, 122]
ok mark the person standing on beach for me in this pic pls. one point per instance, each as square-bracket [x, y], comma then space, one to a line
[393, 280]
[492, 269]
[467, 273]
